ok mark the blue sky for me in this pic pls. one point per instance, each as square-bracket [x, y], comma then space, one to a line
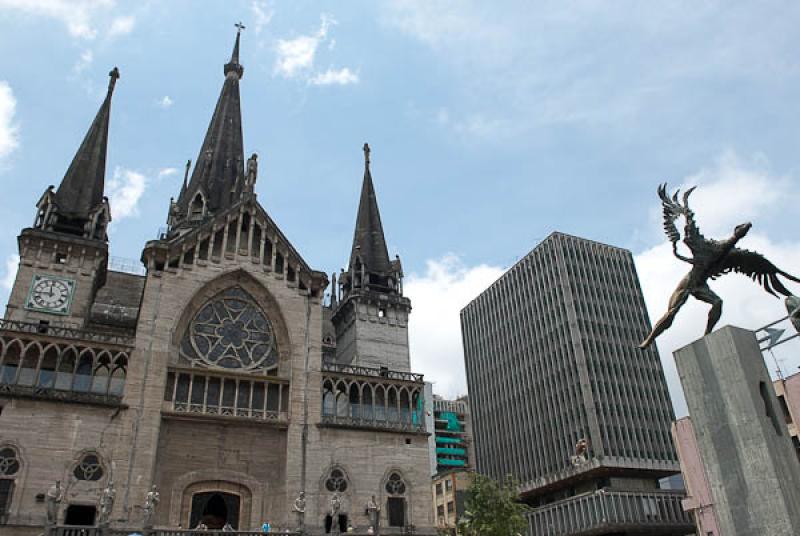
[491, 123]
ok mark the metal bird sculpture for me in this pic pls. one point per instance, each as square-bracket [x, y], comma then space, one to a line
[710, 260]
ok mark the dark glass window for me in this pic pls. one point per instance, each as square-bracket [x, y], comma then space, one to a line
[336, 481]
[89, 468]
[9, 462]
[395, 485]
[6, 491]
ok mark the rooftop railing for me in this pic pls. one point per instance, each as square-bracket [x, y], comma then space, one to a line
[374, 372]
[609, 510]
[65, 332]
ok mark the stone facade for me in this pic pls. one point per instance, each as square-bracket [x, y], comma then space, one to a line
[205, 376]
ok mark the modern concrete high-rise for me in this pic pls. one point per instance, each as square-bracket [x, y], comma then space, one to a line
[562, 398]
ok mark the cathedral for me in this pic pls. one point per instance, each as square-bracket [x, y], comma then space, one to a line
[217, 388]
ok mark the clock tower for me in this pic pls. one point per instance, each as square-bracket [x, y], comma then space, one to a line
[64, 255]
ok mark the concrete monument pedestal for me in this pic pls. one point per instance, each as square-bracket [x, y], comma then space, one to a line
[749, 459]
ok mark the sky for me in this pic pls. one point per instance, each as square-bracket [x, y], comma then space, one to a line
[492, 124]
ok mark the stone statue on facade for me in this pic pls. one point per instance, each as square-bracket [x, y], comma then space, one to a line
[710, 260]
[336, 506]
[581, 453]
[151, 500]
[53, 499]
[252, 172]
[373, 513]
[107, 503]
[299, 510]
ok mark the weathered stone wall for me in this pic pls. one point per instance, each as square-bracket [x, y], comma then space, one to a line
[51, 438]
[367, 457]
[196, 456]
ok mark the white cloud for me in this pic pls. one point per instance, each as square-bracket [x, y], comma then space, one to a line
[438, 296]
[124, 191]
[262, 15]
[8, 128]
[121, 26]
[165, 102]
[296, 56]
[12, 263]
[729, 193]
[332, 76]
[166, 172]
[619, 64]
[85, 60]
[77, 15]
[749, 192]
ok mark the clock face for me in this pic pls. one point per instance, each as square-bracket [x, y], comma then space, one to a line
[51, 294]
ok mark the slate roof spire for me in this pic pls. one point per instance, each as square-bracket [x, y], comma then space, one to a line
[369, 243]
[220, 164]
[81, 189]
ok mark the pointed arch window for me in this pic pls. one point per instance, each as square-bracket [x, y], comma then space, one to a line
[197, 209]
[231, 331]
[9, 461]
[9, 467]
[395, 485]
[336, 481]
[89, 468]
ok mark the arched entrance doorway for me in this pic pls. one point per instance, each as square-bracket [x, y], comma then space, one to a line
[215, 509]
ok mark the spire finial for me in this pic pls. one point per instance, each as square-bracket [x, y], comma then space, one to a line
[113, 76]
[234, 65]
[366, 155]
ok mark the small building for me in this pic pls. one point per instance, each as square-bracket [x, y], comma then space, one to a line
[452, 439]
[450, 490]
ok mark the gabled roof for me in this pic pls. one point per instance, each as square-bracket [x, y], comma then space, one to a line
[81, 189]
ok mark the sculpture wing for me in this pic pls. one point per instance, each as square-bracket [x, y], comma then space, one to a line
[673, 209]
[757, 267]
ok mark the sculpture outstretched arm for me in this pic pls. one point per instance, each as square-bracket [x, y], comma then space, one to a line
[679, 256]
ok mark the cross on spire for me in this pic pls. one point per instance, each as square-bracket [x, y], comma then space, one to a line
[239, 27]
[366, 154]
[113, 76]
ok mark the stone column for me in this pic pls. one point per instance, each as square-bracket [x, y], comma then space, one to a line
[741, 434]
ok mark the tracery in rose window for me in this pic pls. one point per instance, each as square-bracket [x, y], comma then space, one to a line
[230, 331]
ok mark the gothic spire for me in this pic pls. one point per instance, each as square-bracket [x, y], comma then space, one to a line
[214, 183]
[369, 244]
[81, 189]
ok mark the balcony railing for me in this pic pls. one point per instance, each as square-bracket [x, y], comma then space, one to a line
[58, 395]
[361, 422]
[609, 510]
[65, 332]
[201, 393]
[380, 372]
[76, 530]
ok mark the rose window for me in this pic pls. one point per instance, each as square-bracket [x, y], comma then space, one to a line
[9, 463]
[336, 481]
[230, 331]
[89, 468]
[395, 485]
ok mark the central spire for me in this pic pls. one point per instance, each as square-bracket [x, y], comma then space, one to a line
[215, 183]
[369, 243]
